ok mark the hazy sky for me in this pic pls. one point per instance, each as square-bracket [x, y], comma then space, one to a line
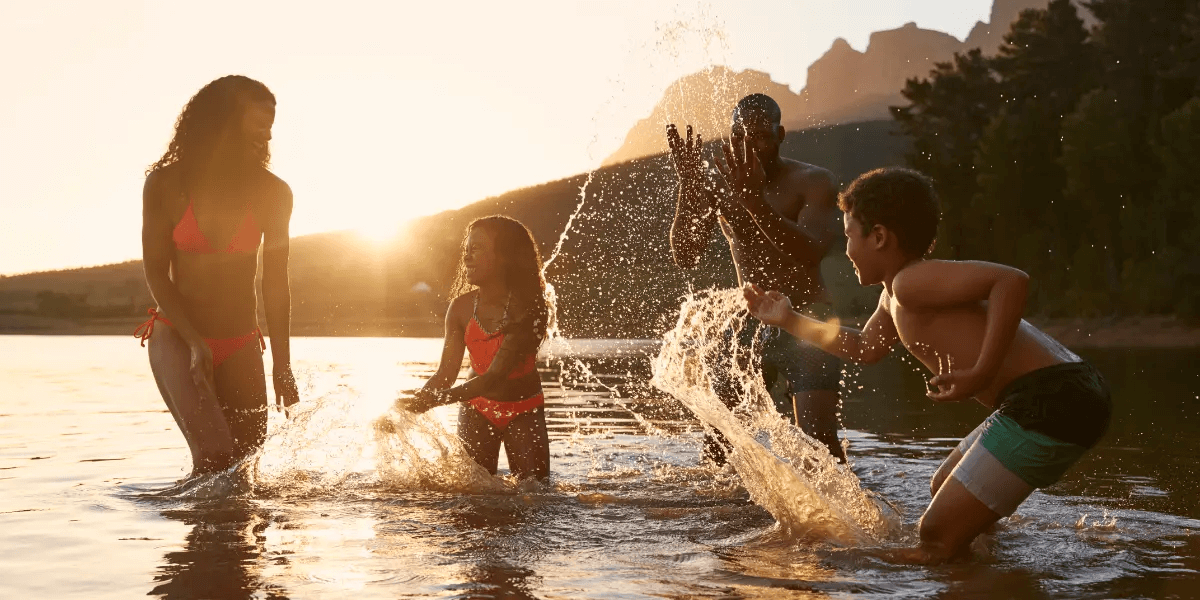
[385, 111]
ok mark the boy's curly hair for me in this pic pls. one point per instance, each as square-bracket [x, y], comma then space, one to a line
[902, 200]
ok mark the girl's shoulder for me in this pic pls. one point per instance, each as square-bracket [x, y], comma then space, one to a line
[462, 308]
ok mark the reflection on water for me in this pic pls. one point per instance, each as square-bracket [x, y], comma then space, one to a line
[628, 512]
[221, 557]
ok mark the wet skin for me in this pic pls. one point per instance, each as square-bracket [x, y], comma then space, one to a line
[221, 410]
[962, 320]
[779, 226]
[525, 439]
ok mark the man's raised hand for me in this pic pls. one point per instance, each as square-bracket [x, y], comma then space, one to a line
[686, 153]
[743, 172]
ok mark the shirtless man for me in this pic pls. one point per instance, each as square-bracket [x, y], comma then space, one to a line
[778, 238]
[962, 319]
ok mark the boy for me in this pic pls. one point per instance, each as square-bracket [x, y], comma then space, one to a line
[962, 319]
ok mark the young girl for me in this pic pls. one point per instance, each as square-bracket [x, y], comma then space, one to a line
[500, 315]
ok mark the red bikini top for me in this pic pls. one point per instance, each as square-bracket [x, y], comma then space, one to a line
[189, 238]
[483, 347]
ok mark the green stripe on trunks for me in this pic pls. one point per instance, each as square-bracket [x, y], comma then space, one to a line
[1035, 457]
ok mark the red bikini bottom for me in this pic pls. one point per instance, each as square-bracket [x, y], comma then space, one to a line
[500, 413]
[221, 348]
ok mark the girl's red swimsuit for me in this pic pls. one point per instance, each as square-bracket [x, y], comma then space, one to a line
[188, 238]
[483, 347]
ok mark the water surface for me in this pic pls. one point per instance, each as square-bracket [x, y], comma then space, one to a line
[85, 443]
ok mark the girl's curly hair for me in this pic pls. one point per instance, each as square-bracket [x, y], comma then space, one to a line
[215, 107]
[521, 264]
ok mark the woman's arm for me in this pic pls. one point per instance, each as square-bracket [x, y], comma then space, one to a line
[867, 346]
[277, 295]
[157, 250]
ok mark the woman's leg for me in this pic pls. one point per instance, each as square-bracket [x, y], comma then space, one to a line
[242, 390]
[202, 423]
[479, 436]
[527, 444]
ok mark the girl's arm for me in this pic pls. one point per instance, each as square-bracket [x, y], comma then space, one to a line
[453, 350]
[936, 284]
[868, 346]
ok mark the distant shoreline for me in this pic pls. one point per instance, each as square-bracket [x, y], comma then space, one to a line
[1122, 332]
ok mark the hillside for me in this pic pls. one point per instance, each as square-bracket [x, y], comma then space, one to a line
[613, 276]
[843, 86]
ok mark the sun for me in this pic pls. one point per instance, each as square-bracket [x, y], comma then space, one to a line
[379, 232]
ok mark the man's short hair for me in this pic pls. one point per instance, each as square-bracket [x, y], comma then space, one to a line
[758, 106]
[902, 200]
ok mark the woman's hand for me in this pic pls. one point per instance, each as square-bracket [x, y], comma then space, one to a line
[772, 308]
[284, 383]
[201, 368]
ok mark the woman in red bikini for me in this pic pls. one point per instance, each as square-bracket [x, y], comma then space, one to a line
[501, 321]
[206, 206]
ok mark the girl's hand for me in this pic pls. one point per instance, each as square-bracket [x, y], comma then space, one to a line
[772, 308]
[201, 368]
[423, 399]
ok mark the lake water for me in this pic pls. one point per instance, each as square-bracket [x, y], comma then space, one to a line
[87, 448]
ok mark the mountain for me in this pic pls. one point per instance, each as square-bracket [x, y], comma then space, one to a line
[844, 85]
[613, 276]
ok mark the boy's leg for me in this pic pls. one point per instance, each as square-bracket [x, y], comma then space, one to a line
[952, 520]
[527, 444]
[479, 437]
[948, 465]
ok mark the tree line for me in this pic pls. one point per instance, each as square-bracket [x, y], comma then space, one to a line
[1074, 154]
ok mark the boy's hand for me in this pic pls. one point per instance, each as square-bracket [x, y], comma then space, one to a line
[772, 308]
[953, 386]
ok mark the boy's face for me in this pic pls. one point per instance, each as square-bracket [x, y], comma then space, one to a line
[863, 251]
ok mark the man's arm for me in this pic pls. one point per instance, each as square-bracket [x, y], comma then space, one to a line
[937, 284]
[807, 239]
[277, 294]
[695, 211]
[867, 346]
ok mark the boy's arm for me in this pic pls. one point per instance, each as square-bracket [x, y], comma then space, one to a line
[867, 346]
[936, 284]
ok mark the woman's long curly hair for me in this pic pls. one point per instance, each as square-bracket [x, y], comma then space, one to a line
[208, 114]
[521, 267]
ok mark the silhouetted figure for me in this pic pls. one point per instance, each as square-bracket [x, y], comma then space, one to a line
[962, 320]
[206, 206]
[778, 238]
[500, 314]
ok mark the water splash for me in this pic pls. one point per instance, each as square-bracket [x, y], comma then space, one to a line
[791, 474]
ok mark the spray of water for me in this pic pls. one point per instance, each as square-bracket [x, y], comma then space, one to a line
[789, 473]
